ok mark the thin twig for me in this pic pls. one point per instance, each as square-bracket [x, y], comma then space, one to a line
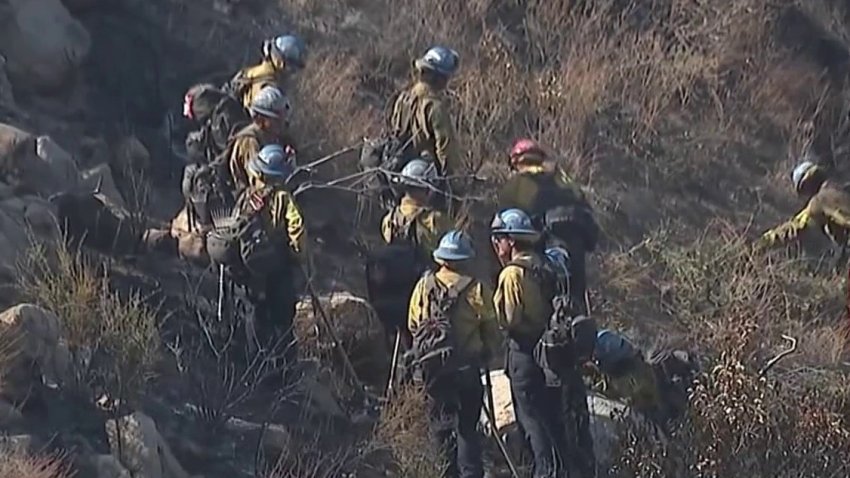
[772, 362]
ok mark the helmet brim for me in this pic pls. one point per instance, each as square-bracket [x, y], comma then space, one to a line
[423, 65]
[258, 167]
[444, 255]
[265, 113]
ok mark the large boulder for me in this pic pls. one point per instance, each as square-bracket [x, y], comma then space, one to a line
[101, 180]
[38, 345]
[60, 162]
[355, 325]
[43, 44]
[139, 447]
[20, 219]
[34, 164]
[605, 420]
[7, 96]
[107, 466]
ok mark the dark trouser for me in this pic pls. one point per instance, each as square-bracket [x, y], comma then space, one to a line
[455, 410]
[578, 275]
[538, 412]
[274, 310]
[577, 419]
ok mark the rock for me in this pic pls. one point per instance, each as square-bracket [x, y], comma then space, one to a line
[16, 444]
[604, 419]
[10, 416]
[43, 44]
[60, 161]
[20, 217]
[107, 466]
[7, 96]
[356, 325]
[138, 445]
[24, 169]
[276, 439]
[39, 339]
[94, 221]
[130, 156]
[318, 396]
[100, 179]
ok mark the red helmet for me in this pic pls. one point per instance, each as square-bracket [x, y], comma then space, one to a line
[524, 147]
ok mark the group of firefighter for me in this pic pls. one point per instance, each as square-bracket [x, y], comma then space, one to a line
[448, 323]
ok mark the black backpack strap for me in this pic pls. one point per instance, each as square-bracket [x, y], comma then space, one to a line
[404, 228]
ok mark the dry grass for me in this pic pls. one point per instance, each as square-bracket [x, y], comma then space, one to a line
[18, 465]
[675, 114]
[115, 340]
[403, 430]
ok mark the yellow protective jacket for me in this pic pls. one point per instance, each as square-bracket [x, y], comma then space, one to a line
[244, 146]
[422, 114]
[523, 307]
[828, 209]
[249, 81]
[637, 387]
[284, 216]
[524, 189]
[428, 226]
[473, 318]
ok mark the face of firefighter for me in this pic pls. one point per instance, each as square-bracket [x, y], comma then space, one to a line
[503, 246]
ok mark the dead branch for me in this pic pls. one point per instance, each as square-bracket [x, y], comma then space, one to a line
[772, 362]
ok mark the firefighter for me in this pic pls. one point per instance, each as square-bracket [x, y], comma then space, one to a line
[270, 112]
[523, 308]
[557, 205]
[420, 116]
[282, 57]
[457, 394]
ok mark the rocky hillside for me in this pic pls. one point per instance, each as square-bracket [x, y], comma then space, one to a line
[681, 119]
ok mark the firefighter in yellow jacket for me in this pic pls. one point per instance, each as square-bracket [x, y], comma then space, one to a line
[274, 298]
[282, 56]
[557, 204]
[270, 112]
[457, 394]
[414, 219]
[828, 208]
[420, 115]
[523, 308]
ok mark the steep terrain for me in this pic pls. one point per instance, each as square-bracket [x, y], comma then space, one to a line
[681, 118]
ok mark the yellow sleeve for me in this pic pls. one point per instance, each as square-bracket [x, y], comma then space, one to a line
[414, 311]
[508, 298]
[837, 216]
[445, 138]
[243, 151]
[386, 228]
[788, 231]
[286, 212]
[436, 224]
[479, 299]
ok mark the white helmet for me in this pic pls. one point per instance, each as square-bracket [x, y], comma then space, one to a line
[271, 103]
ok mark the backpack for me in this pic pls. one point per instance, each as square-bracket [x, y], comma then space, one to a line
[386, 153]
[243, 242]
[205, 191]
[238, 85]
[393, 269]
[568, 339]
[562, 213]
[435, 353]
[220, 115]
